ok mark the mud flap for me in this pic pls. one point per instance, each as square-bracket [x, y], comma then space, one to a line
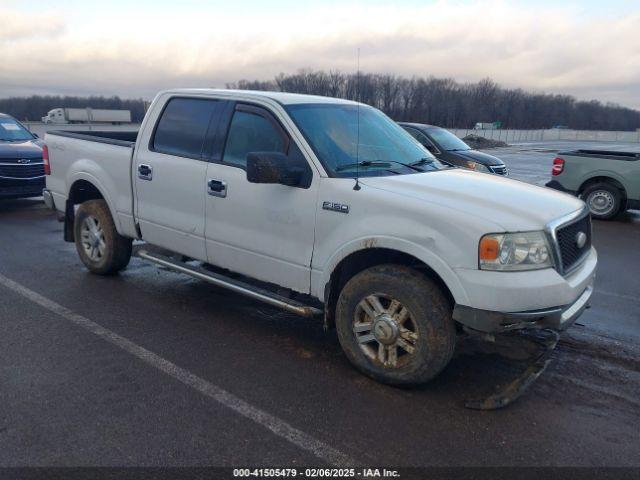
[69, 218]
[545, 340]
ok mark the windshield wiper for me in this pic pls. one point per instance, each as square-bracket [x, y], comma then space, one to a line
[363, 163]
[369, 163]
[422, 161]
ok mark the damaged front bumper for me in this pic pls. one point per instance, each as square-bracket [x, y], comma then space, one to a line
[557, 318]
[544, 341]
[539, 328]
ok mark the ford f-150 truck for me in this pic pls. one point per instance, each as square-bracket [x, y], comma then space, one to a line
[325, 206]
[609, 182]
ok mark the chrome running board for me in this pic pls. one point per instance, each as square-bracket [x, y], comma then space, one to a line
[234, 285]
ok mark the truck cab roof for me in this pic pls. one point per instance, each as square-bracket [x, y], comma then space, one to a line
[281, 97]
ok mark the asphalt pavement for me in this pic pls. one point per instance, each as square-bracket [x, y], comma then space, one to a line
[152, 368]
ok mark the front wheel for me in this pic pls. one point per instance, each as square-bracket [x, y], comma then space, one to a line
[395, 325]
[100, 247]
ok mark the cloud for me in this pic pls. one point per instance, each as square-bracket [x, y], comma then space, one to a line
[18, 25]
[542, 47]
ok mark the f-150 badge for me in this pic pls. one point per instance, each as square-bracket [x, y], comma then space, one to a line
[335, 207]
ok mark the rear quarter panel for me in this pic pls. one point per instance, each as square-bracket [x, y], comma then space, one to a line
[579, 170]
[105, 166]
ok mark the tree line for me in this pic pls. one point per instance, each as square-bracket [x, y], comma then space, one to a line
[438, 101]
[35, 107]
[451, 104]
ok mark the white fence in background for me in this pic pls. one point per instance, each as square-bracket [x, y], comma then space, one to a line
[550, 135]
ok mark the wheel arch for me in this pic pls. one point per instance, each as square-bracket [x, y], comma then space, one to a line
[82, 189]
[602, 179]
[373, 252]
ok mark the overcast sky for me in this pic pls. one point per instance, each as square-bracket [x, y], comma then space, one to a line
[134, 48]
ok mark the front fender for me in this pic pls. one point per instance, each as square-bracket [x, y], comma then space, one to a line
[439, 266]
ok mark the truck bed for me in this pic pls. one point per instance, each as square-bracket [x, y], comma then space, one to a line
[603, 154]
[100, 158]
[124, 139]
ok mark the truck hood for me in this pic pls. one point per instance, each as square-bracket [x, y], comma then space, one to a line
[514, 205]
[21, 149]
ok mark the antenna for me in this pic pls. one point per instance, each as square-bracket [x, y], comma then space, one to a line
[356, 187]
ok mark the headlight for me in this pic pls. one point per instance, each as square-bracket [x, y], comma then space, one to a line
[515, 251]
[478, 167]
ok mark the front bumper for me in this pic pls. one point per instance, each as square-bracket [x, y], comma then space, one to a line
[21, 188]
[558, 318]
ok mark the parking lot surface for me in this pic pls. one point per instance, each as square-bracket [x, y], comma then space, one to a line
[152, 368]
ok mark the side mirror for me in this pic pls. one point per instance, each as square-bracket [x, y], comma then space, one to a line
[272, 167]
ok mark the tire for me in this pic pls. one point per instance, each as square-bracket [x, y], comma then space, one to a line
[423, 311]
[603, 199]
[100, 247]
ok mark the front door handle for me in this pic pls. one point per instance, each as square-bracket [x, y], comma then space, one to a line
[145, 172]
[216, 188]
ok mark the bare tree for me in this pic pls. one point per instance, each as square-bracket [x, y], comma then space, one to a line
[439, 101]
[445, 102]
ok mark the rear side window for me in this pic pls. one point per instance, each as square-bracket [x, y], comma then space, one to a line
[183, 126]
[250, 132]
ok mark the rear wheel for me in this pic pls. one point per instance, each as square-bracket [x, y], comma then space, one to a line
[395, 325]
[100, 247]
[603, 199]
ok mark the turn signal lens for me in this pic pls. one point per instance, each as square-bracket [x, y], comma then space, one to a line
[489, 248]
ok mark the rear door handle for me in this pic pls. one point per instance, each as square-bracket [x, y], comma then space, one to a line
[145, 172]
[216, 188]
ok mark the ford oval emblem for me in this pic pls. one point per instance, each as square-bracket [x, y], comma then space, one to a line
[581, 239]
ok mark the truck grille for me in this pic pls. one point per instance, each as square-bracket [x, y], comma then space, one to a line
[498, 169]
[570, 253]
[12, 169]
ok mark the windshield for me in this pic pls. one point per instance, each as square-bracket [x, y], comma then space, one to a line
[447, 140]
[10, 130]
[384, 148]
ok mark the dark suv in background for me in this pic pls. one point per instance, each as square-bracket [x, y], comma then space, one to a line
[21, 165]
[450, 149]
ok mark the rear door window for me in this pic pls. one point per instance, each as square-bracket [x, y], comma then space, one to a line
[183, 126]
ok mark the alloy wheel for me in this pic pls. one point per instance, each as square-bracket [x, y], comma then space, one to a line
[385, 330]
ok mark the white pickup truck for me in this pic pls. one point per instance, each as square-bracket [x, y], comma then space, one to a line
[325, 206]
